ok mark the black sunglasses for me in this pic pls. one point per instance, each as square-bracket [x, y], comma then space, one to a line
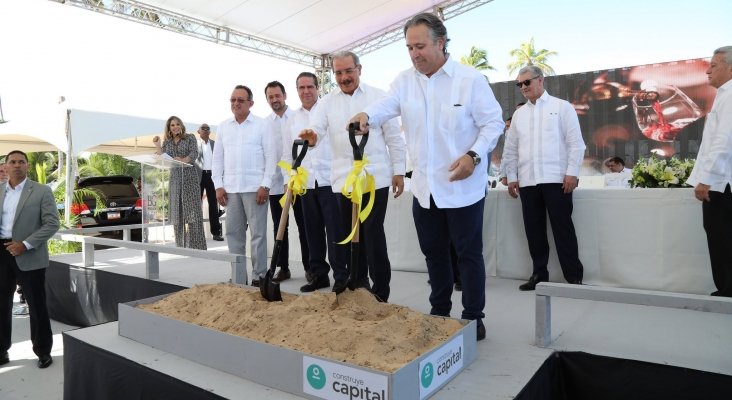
[526, 82]
[205, 128]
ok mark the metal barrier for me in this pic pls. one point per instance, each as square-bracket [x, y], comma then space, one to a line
[152, 251]
[545, 291]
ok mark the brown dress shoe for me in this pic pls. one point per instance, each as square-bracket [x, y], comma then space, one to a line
[281, 275]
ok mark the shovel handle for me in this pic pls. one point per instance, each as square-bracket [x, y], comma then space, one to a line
[303, 149]
[358, 147]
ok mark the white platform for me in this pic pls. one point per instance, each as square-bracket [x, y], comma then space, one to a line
[505, 362]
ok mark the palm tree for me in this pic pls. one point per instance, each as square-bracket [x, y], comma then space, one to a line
[478, 59]
[101, 164]
[526, 54]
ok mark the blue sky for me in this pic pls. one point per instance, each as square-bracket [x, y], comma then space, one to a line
[106, 64]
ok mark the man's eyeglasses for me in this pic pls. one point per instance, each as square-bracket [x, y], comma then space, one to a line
[205, 128]
[237, 100]
[526, 82]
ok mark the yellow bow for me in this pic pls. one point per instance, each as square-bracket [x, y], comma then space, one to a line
[359, 182]
[298, 182]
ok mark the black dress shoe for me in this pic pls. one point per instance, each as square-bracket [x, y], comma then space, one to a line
[281, 275]
[575, 281]
[44, 361]
[339, 286]
[218, 238]
[4, 358]
[308, 276]
[481, 332]
[315, 284]
[255, 282]
[531, 284]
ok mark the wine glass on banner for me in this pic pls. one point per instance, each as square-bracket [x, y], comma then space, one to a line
[662, 111]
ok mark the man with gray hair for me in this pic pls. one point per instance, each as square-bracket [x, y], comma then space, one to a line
[712, 173]
[386, 163]
[450, 119]
[543, 153]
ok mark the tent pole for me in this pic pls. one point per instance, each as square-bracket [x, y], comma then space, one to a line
[69, 173]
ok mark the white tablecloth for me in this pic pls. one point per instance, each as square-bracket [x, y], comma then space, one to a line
[633, 238]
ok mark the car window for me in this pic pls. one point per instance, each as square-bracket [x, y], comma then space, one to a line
[113, 190]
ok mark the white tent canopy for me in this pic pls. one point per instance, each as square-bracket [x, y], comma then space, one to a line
[91, 131]
[116, 133]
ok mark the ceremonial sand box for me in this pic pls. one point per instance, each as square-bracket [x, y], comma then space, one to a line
[352, 327]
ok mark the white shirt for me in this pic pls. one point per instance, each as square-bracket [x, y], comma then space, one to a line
[330, 121]
[619, 179]
[713, 165]
[10, 206]
[317, 159]
[444, 116]
[206, 155]
[544, 142]
[243, 158]
[278, 124]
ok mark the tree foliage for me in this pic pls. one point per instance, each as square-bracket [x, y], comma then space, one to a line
[478, 59]
[101, 164]
[527, 54]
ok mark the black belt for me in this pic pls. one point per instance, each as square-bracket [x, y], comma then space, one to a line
[206, 171]
[3, 240]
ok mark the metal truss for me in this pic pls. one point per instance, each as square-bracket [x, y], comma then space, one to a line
[394, 33]
[183, 24]
[160, 18]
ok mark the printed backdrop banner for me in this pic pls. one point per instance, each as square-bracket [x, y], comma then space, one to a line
[630, 112]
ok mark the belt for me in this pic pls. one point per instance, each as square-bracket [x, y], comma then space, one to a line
[3, 240]
[206, 171]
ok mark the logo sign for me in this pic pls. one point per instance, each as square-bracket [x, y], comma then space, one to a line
[332, 381]
[440, 366]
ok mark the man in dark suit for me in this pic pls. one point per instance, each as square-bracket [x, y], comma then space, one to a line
[204, 160]
[28, 218]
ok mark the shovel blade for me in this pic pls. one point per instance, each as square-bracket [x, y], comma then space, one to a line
[269, 289]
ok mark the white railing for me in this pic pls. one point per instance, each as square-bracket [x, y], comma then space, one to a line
[545, 291]
[152, 252]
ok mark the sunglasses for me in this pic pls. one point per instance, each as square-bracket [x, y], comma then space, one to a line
[526, 82]
[205, 128]
[237, 100]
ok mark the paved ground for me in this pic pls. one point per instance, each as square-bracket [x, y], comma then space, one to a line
[506, 360]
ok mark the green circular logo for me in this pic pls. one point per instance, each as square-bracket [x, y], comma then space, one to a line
[316, 377]
[427, 374]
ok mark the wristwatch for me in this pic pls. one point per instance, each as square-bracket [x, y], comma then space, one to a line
[476, 157]
[265, 188]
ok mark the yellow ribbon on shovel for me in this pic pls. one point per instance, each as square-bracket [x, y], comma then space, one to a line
[357, 183]
[298, 182]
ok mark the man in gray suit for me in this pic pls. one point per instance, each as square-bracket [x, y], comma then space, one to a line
[204, 160]
[28, 218]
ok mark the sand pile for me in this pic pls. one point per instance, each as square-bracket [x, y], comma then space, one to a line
[352, 327]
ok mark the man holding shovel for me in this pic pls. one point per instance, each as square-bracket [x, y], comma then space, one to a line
[450, 118]
[385, 161]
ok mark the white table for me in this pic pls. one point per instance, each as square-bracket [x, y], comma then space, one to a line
[634, 238]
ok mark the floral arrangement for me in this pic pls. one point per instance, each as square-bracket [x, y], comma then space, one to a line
[653, 172]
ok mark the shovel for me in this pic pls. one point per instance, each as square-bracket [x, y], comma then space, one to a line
[271, 290]
[358, 147]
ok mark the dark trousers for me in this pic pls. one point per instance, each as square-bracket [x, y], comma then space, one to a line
[373, 259]
[717, 217]
[536, 202]
[207, 186]
[324, 230]
[276, 210]
[436, 228]
[34, 289]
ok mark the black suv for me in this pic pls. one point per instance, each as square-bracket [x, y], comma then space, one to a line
[122, 200]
